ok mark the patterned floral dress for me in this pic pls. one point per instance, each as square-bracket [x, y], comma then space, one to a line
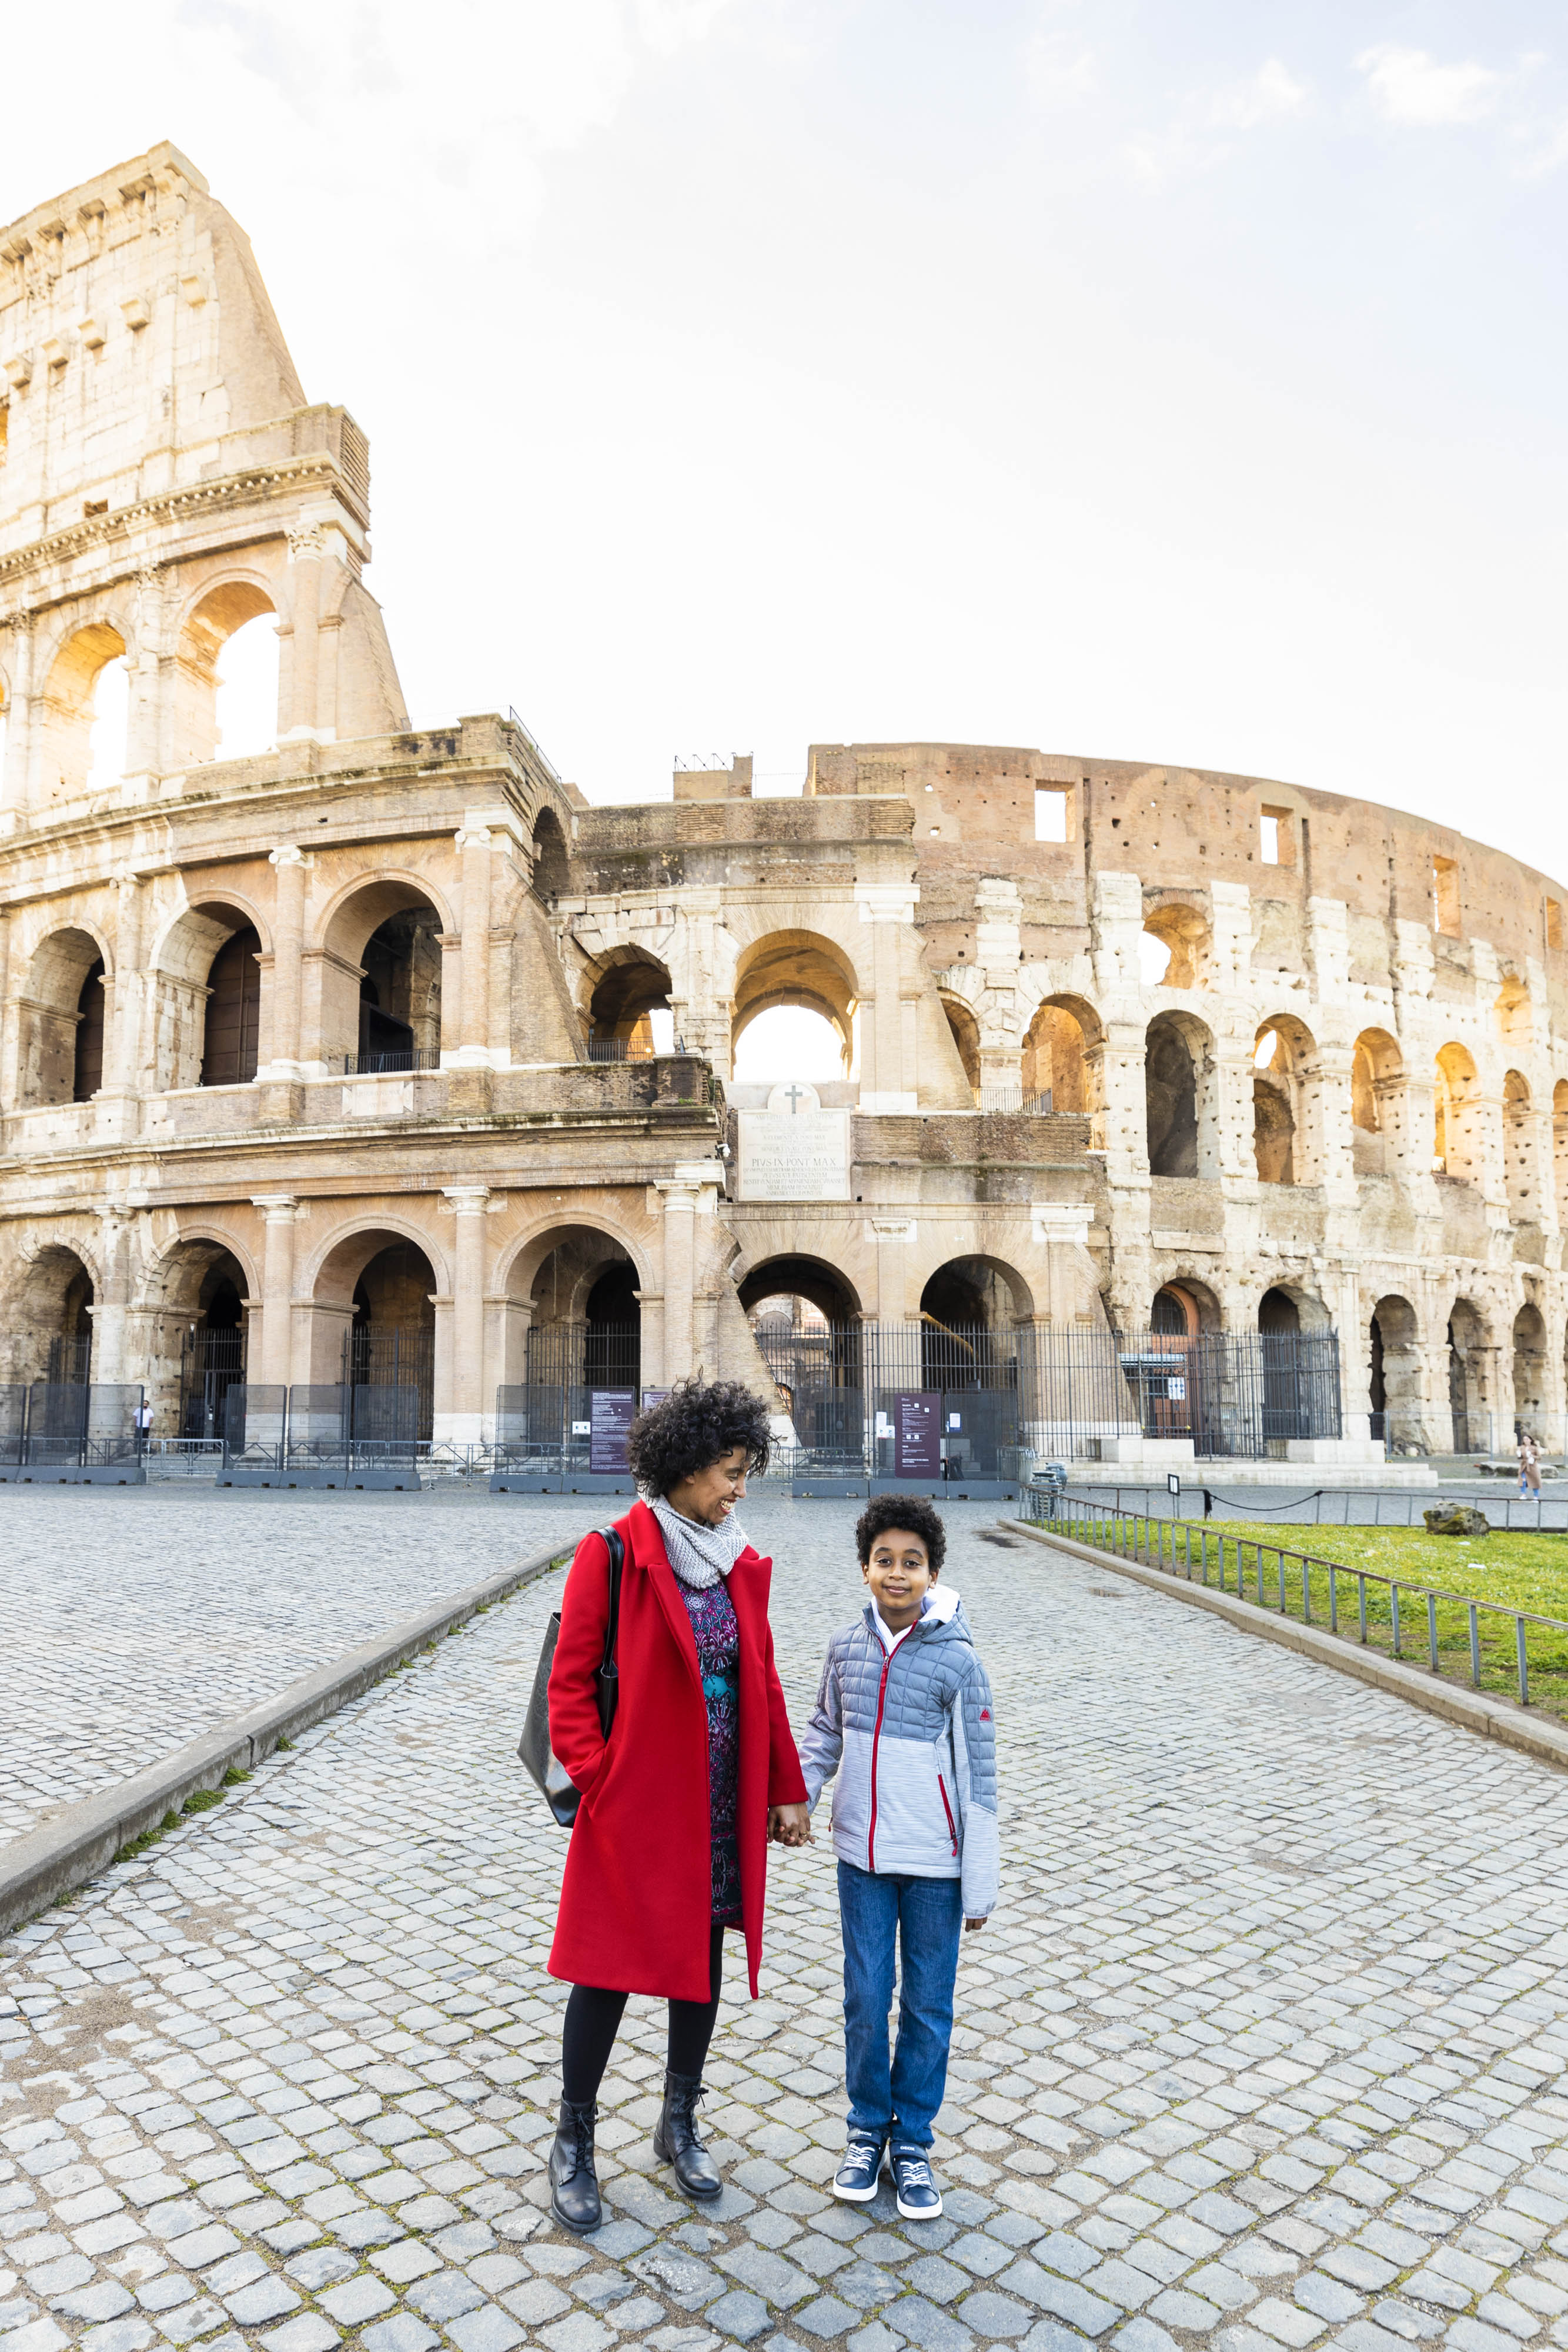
[719, 1656]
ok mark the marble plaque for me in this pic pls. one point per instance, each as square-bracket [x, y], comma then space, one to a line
[799, 1156]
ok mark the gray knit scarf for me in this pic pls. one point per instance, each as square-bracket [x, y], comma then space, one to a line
[699, 1555]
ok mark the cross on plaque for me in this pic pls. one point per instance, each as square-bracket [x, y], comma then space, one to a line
[793, 1095]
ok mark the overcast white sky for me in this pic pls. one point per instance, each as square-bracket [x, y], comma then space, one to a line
[1181, 384]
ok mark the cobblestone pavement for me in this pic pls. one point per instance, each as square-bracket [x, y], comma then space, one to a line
[130, 1622]
[1262, 2049]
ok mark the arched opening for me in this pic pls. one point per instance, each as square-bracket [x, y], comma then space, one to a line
[182, 965]
[802, 970]
[1375, 1071]
[212, 1343]
[231, 1024]
[552, 873]
[1273, 1120]
[786, 1043]
[965, 1034]
[380, 980]
[805, 1319]
[1174, 1313]
[51, 1322]
[61, 998]
[1055, 1073]
[1174, 946]
[1470, 1397]
[82, 714]
[629, 1015]
[585, 1325]
[1519, 1150]
[390, 1340]
[1176, 1096]
[1458, 1144]
[969, 1318]
[245, 703]
[226, 676]
[1279, 1316]
[1394, 1379]
[1529, 1373]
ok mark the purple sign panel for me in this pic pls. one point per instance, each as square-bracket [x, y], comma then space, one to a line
[611, 1413]
[917, 1434]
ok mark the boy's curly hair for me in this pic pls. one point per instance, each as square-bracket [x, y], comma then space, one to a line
[907, 1511]
[697, 1424]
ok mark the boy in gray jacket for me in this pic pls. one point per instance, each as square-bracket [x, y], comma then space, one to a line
[904, 1716]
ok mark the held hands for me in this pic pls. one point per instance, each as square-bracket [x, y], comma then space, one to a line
[790, 1825]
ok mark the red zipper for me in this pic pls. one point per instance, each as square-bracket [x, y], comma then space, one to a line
[876, 1735]
[952, 1825]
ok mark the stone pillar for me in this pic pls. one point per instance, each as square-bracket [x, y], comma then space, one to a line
[300, 637]
[1326, 1106]
[290, 864]
[109, 1309]
[998, 952]
[474, 848]
[461, 1422]
[887, 909]
[123, 1040]
[691, 1190]
[894, 1238]
[279, 1211]
[14, 775]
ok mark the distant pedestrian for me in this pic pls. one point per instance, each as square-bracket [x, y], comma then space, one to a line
[904, 1716]
[669, 1846]
[1528, 1466]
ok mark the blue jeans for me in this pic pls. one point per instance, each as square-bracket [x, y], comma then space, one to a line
[924, 1917]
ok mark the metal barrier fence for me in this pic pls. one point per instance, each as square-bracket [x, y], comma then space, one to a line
[1335, 1506]
[1204, 1553]
[322, 1427]
[71, 1426]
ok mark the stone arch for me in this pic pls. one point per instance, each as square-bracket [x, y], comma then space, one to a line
[825, 1287]
[579, 1282]
[1458, 1142]
[1286, 1307]
[330, 1276]
[623, 988]
[796, 967]
[1184, 1308]
[49, 1333]
[1056, 1053]
[1376, 1073]
[1395, 1377]
[179, 1050]
[965, 1033]
[970, 1309]
[380, 968]
[1521, 1177]
[521, 1260]
[1470, 1375]
[1284, 1062]
[551, 860]
[1184, 930]
[333, 1281]
[1529, 1384]
[1178, 1093]
[64, 713]
[216, 612]
[200, 1291]
[62, 995]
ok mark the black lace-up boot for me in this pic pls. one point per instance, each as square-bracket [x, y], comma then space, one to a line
[675, 2138]
[573, 2182]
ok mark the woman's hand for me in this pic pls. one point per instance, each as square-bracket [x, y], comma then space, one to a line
[790, 1825]
[970, 1925]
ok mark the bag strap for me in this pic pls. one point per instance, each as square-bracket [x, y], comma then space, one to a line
[616, 1551]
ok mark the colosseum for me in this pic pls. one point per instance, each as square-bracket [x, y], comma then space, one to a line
[1180, 1113]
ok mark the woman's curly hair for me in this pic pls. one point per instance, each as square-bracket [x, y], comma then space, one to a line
[695, 1425]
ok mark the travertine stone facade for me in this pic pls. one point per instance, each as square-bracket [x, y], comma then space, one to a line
[1348, 1088]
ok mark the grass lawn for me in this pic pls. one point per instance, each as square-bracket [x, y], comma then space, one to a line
[1263, 1562]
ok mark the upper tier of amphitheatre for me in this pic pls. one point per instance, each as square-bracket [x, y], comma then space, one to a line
[1340, 1101]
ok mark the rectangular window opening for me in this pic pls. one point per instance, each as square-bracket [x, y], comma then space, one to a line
[1049, 813]
[1277, 836]
[1446, 897]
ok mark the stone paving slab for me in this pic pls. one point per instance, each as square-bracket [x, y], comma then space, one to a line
[1263, 2048]
[134, 1621]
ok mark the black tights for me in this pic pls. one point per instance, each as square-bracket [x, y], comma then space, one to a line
[593, 2020]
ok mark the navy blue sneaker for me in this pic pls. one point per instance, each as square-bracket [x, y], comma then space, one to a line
[919, 2198]
[855, 2179]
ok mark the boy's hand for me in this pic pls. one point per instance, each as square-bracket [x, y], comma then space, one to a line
[790, 1825]
[970, 1925]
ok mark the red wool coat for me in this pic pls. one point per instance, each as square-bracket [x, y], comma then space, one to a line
[636, 1901]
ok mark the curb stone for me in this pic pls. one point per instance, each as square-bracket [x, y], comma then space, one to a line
[83, 1839]
[1513, 1726]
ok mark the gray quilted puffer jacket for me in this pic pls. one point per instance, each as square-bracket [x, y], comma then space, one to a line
[912, 1738]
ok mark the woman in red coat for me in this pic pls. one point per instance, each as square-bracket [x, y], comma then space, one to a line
[669, 1847]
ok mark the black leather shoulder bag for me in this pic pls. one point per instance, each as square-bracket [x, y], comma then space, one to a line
[534, 1748]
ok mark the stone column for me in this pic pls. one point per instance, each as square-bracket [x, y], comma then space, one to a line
[690, 1191]
[474, 849]
[1326, 1105]
[290, 864]
[299, 636]
[461, 1422]
[279, 1211]
[894, 1238]
[109, 1311]
[887, 1085]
